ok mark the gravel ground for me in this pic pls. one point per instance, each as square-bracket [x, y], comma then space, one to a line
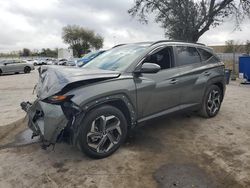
[179, 151]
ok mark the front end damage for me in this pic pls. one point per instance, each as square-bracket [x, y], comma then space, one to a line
[45, 120]
[53, 115]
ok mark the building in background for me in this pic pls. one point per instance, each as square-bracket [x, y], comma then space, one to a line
[65, 53]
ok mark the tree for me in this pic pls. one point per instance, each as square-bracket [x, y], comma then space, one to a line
[188, 20]
[230, 46]
[81, 39]
[247, 47]
[48, 52]
[26, 52]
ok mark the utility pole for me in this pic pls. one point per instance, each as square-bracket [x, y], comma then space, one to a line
[233, 77]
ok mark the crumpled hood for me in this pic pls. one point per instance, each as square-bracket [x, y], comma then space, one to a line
[52, 79]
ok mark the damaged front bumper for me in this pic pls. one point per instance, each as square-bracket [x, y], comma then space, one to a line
[45, 120]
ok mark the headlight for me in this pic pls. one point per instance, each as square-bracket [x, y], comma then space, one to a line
[58, 98]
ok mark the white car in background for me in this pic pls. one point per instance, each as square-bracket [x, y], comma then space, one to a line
[51, 62]
[31, 61]
[62, 62]
[15, 66]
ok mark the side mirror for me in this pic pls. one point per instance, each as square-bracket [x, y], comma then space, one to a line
[5, 64]
[148, 68]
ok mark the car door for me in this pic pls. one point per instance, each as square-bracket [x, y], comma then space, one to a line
[158, 92]
[19, 66]
[9, 66]
[190, 76]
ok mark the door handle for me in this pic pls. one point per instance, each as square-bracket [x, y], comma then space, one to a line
[207, 73]
[173, 81]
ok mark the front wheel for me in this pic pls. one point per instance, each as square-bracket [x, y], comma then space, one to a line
[211, 102]
[102, 132]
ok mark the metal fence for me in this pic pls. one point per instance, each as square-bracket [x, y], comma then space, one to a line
[229, 57]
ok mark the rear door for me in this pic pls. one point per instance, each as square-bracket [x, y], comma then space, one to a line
[19, 66]
[191, 82]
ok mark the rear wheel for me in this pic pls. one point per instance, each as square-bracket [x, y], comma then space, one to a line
[1, 72]
[211, 102]
[27, 70]
[102, 131]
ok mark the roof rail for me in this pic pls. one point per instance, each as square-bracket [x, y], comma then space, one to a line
[118, 45]
[160, 41]
[200, 43]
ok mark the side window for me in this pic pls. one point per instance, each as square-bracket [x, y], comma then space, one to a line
[187, 55]
[205, 55]
[9, 62]
[163, 58]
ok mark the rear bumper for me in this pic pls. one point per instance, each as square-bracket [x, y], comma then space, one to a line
[45, 120]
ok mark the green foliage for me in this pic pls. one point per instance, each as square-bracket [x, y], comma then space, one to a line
[247, 47]
[26, 52]
[188, 20]
[233, 46]
[81, 40]
[48, 53]
[230, 46]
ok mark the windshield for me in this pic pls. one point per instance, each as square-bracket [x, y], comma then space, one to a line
[118, 58]
[90, 54]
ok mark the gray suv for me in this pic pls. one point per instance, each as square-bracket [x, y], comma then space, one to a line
[93, 107]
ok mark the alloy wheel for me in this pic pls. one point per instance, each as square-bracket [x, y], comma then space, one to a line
[214, 101]
[104, 134]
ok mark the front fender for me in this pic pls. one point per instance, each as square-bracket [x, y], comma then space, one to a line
[118, 97]
[86, 107]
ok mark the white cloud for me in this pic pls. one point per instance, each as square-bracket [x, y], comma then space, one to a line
[226, 31]
[38, 24]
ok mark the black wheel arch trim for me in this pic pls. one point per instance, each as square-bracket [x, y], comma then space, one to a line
[74, 125]
[214, 81]
[112, 98]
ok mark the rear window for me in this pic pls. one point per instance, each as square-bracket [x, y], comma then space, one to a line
[205, 55]
[187, 55]
[208, 56]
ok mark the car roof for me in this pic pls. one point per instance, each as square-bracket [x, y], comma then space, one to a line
[171, 42]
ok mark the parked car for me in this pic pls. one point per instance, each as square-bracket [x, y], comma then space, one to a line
[88, 57]
[94, 106]
[71, 63]
[43, 61]
[15, 66]
[31, 61]
[51, 62]
[62, 62]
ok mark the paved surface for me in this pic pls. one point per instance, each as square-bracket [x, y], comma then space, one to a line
[214, 152]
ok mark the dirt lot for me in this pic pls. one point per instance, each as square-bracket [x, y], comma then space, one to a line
[179, 151]
[14, 89]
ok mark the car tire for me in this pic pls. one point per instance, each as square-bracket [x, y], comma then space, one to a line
[35, 64]
[1, 72]
[102, 132]
[211, 102]
[27, 70]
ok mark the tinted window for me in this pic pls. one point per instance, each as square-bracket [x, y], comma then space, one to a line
[205, 54]
[161, 58]
[187, 55]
